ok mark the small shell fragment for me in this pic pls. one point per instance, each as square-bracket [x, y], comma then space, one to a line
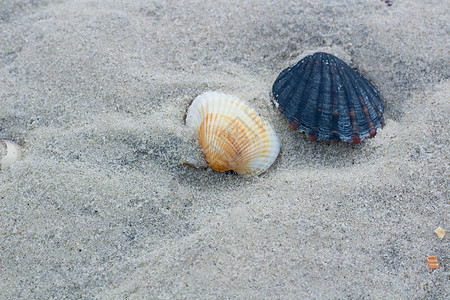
[440, 232]
[11, 153]
[432, 262]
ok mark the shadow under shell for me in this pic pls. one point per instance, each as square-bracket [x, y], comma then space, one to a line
[326, 98]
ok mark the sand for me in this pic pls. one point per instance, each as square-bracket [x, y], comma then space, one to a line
[101, 206]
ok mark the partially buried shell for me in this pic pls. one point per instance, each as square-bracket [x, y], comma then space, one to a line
[232, 135]
[9, 152]
[327, 99]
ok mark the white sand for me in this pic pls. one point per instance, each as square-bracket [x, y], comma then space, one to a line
[96, 93]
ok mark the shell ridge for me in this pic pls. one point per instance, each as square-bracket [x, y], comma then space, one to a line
[322, 94]
[297, 92]
[208, 148]
[370, 118]
[311, 104]
[238, 142]
[366, 121]
[358, 106]
[241, 140]
[208, 121]
[335, 114]
[284, 83]
[324, 111]
[250, 153]
[350, 95]
[288, 91]
[219, 149]
[227, 140]
[345, 121]
[260, 159]
[249, 141]
[303, 96]
[217, 145]
[341, 116]
[341, 120]
[263, 162]
[369, 111]
[374, 99]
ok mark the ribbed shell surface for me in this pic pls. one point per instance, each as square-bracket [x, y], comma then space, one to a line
[232, 135]
[327, 99]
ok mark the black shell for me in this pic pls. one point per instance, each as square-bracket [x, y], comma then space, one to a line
[327, 99]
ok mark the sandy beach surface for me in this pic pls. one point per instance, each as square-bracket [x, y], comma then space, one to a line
[102, 206]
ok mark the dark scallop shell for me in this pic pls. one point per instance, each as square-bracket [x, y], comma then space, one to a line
[327, 99]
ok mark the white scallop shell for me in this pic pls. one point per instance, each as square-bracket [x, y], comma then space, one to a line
[232, 134]
[13, 153]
